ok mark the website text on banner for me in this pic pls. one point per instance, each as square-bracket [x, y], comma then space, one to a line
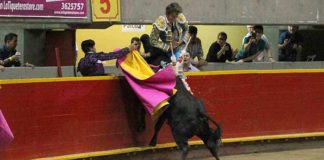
[44, 8]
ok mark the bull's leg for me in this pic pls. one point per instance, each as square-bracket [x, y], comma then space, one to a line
[157, 128]
[212, 146]
[184, 148]
[214, 152]
[182, 142]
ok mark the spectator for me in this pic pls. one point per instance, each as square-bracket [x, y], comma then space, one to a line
[195, 48]
[220, 50]
[135, 41]
[187, 65]
[8, 53]
[252, 47]
[261, 57]
[290, 44]
[145, 39]
[250, 29]
[91, 63]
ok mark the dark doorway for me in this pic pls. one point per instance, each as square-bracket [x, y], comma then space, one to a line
[65, 41]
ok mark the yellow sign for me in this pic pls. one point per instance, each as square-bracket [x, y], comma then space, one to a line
[105, 10]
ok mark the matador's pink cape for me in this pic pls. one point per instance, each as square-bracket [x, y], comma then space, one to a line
[6, 135]
[153, 89]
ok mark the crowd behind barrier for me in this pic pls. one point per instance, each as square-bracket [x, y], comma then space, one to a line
[68, 71]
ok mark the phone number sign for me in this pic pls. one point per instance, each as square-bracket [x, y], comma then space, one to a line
[105, 10]
[44, 8]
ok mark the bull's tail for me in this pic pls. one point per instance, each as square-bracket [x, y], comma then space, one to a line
[218, 130]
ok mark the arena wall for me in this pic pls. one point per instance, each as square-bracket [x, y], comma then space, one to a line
[53, 117]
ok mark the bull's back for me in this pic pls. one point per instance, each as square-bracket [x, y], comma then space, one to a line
[184, 114]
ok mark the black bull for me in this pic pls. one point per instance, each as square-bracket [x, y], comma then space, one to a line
[187, 117]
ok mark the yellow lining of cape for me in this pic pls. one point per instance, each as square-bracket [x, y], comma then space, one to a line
[140, 70]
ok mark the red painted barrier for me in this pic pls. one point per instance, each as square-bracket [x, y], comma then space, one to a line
[69, 117]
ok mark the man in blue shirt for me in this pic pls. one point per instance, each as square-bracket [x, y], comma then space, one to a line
[252, 47]
[290, 44]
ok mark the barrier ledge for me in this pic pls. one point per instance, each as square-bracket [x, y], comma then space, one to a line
[203, 73]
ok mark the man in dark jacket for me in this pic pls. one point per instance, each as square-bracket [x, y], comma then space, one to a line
[290, 44]
[220, 51]
[8, 53]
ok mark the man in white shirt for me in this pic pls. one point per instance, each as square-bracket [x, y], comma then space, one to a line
[187, 66]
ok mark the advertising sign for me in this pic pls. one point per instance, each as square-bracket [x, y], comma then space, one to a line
[44, 8]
